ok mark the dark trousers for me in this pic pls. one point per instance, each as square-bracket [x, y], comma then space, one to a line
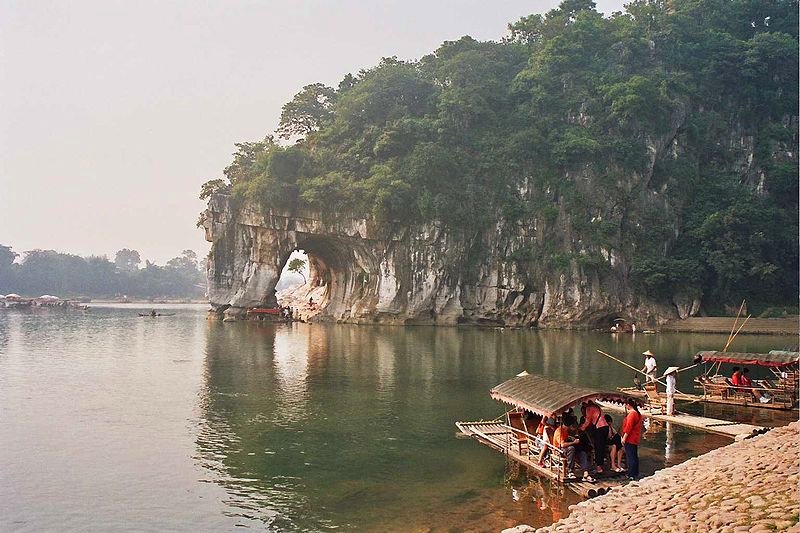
[583, 458]
[600, 438]
[569, 455]
[632, 459]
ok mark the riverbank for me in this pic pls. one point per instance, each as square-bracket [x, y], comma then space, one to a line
[750, 485]
[147, 302]
[789, 325]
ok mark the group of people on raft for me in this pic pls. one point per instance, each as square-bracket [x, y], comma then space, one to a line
[742, 381]
[591, 439]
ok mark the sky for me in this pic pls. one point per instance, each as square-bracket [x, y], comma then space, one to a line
[113, 113]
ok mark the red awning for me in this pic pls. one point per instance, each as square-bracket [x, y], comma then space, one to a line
[772, 359]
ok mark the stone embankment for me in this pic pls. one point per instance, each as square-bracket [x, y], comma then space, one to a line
[750, 485]
[765, 326]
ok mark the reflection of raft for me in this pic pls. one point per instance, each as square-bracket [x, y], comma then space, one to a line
[156, 315]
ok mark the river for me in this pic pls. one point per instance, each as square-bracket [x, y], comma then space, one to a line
[112, 422]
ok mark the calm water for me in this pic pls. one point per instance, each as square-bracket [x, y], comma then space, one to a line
[113, 422]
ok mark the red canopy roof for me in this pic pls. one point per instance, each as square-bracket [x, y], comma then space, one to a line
[771, 359]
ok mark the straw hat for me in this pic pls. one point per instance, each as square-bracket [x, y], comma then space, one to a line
[648, 352]
[670, 370]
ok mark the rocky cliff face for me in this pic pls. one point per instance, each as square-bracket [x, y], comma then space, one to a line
[537, 271]
[421, 274]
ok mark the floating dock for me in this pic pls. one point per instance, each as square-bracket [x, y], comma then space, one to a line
[735, 430]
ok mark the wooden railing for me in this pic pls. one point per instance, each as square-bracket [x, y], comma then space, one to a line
[560, 465]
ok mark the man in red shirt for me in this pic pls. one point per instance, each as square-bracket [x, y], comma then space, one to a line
[631, 434]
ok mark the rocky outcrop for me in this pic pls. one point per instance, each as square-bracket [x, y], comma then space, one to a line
[420, 274]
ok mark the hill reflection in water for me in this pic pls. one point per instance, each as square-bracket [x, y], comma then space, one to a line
[316, 426]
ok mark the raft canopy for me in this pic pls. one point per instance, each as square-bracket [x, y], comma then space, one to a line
[775, 358]
[548, 397]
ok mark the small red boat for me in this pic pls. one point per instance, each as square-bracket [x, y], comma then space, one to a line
[264, 311]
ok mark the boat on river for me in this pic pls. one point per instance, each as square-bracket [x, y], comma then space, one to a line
[157, 315]
[780, 391]
[533, 398]
[777, 392]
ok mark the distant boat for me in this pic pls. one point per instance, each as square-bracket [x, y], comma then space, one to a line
[155, 315]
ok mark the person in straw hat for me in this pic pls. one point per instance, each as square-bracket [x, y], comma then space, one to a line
[649, 368]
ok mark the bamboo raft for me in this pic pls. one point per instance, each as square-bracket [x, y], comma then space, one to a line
[542, 398]
[498, 436]
[735, 430]
[702, 398]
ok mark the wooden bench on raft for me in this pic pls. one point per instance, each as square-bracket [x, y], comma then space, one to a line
[520, 434]
[655, 401]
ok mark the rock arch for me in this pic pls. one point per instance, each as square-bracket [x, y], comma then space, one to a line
[251, 247]
[421, 274]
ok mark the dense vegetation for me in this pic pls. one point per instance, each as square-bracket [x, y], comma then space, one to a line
[661, 136]
[48, 272]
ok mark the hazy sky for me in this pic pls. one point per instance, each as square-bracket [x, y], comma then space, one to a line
[112, 113]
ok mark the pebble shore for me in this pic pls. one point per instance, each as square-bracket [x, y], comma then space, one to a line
[750, 485]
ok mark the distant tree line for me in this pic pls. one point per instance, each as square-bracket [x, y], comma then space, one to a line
[38, 272]
[545, 129]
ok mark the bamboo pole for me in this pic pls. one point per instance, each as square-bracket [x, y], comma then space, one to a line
[629, 366]
[735, 320]
[735, 334]
[633, 368]
[686, 368]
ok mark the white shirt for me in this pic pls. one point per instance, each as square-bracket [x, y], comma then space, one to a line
[650, 364]
[671, 384]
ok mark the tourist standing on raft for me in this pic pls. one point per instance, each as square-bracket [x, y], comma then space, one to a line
[597, 427]
[631, 434]
[670, 377]
[614, 440]
[649, 368]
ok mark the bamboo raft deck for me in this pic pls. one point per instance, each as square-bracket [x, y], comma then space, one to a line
[686, 397]
[498, 436]
[735, 430]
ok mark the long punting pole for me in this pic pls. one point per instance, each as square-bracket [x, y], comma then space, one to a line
[735, 320]
[737, 332]
[636, 369]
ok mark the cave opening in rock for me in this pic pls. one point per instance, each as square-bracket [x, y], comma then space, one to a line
[303, 284]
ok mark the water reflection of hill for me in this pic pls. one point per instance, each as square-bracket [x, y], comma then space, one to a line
[317, 426]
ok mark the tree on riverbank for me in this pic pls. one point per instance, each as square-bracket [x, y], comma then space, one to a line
[50, 272]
